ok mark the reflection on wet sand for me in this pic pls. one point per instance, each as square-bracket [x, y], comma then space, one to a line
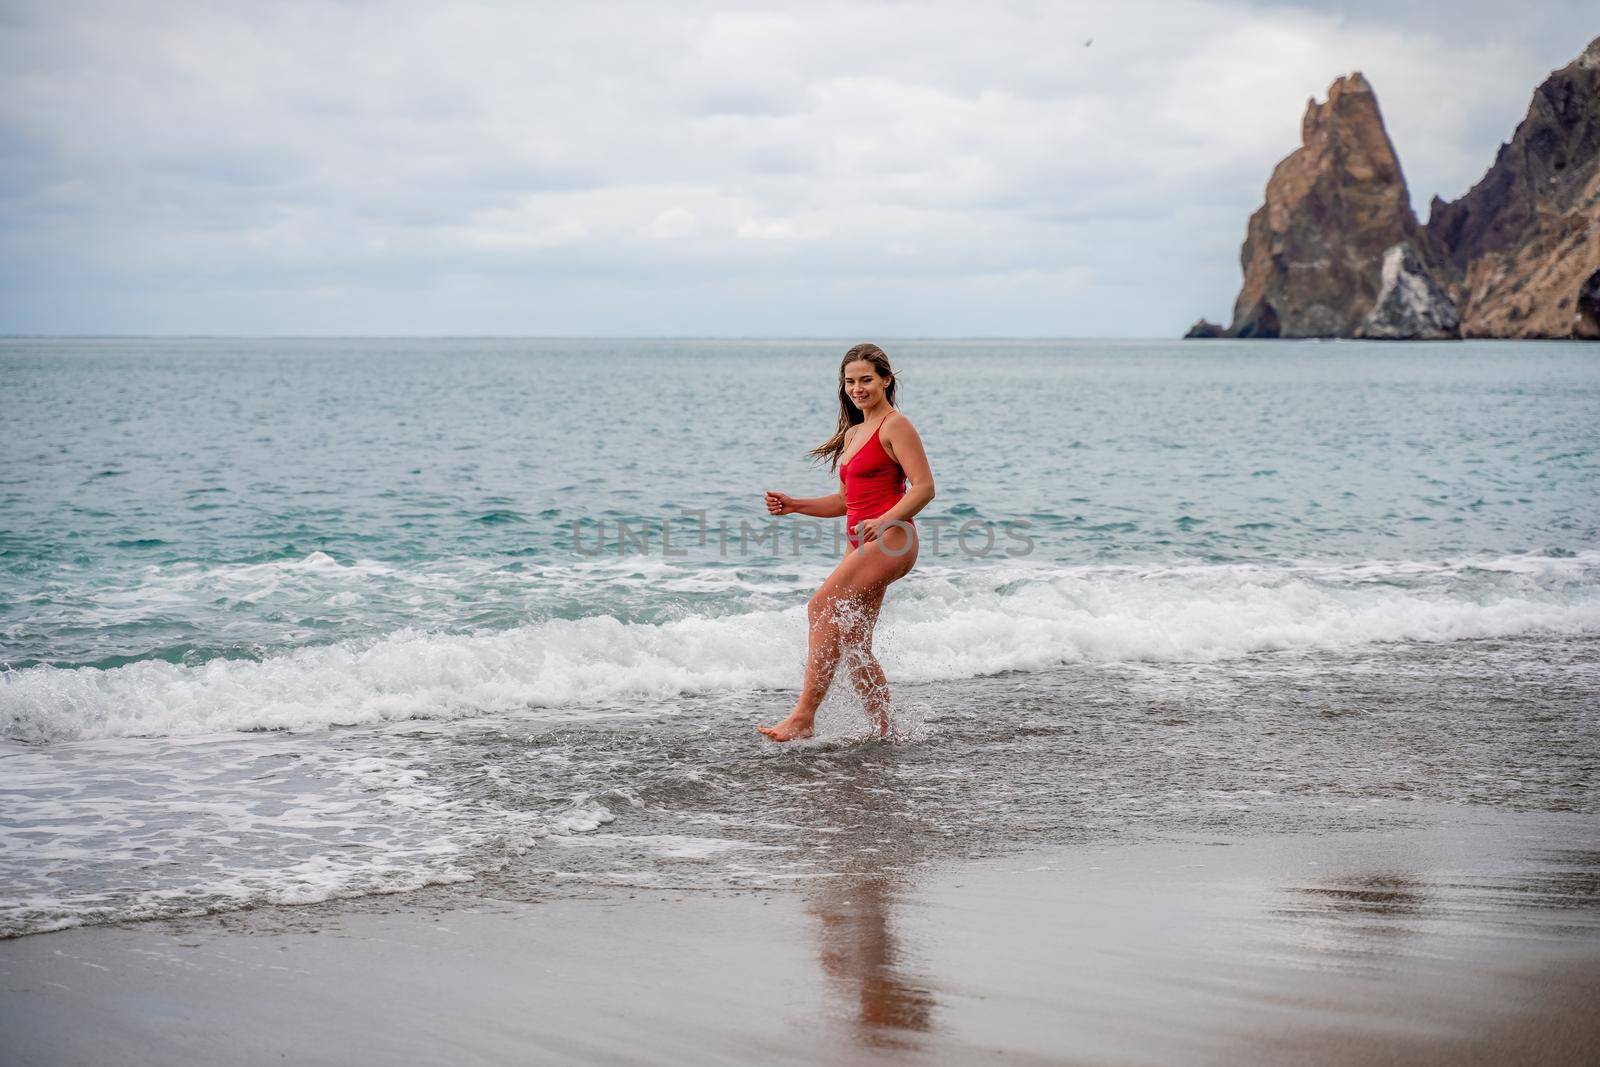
[1374, 914]
[1570, 880]
[1376, 894]
[865, 963]
[861, 958]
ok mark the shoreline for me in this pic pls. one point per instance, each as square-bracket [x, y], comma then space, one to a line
[1473, 938]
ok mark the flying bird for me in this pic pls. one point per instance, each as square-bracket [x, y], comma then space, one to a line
[1089, 42]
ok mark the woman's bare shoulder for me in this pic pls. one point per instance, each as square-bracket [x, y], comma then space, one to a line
[898, 421]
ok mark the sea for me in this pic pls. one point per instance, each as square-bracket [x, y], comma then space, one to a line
[290, 620]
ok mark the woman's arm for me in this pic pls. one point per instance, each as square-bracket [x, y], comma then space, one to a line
[904, 446]
[823, 507]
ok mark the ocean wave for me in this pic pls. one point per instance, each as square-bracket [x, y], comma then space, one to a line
[940, 623]
[198, 611]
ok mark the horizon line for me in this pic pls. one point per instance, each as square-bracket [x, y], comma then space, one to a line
[556, 337]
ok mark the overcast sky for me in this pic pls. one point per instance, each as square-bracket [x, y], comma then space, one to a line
[801, 169]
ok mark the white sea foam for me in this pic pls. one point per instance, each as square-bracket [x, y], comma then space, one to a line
[122, 829]
[941, 623]
[201, 611]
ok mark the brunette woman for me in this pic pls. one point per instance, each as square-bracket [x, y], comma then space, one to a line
[884, 480]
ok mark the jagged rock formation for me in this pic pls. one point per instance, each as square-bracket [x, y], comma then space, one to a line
[1411, 306]
[1205, 328]
[1524, 240]
[1516, 255]
[1313, 253]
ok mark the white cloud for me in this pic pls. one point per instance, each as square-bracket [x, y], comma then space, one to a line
[656, 168]
[671, 224]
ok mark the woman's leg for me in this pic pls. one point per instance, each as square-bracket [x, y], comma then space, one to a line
[866, 673]
[841, 603]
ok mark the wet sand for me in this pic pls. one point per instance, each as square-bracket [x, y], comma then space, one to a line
[1474, 938]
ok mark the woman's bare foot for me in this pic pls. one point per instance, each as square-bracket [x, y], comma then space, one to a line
[790, 729]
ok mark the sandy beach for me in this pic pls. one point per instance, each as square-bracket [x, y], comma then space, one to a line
[458, 594]
[1474, 938]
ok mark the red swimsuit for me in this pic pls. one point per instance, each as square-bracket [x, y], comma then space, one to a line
[873, 483]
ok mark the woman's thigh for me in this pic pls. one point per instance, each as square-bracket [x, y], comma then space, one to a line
[865, 572]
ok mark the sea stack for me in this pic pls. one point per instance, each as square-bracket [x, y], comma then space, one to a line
[1336, 250]
[1525, 240]
[1313, 253]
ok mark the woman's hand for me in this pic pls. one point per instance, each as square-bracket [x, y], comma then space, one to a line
[781, 504]
[869, 529]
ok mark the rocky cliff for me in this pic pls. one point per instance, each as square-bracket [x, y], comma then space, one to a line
[1524, 241]
[1313, 254]
[1410, 306]
[1514, 257]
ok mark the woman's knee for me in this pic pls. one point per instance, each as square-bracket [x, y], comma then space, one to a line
[833, 622]
[835, 598]
[823, 605]
[855, 631]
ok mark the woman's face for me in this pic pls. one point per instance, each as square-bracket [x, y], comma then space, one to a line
[862, 384]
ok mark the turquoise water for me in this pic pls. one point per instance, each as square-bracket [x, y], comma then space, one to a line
[375, 485]
[366, 549]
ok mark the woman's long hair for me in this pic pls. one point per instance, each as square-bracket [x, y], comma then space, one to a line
[849, 414]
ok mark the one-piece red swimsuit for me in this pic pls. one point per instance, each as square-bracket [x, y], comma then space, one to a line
[873, 483]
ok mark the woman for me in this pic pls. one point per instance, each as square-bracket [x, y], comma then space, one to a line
[880, 453]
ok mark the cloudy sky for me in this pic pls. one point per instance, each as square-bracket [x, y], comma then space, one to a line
[815, 169]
